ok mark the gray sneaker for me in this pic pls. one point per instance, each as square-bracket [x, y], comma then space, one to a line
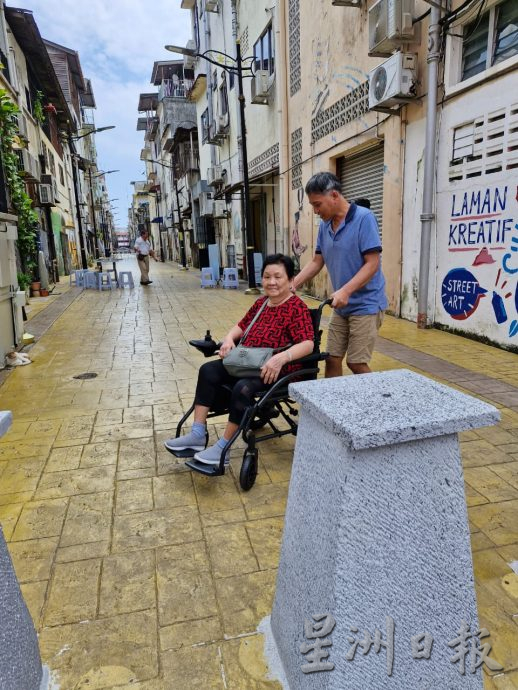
[187, 442]
[212, 455]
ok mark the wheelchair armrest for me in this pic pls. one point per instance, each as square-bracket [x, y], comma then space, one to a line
[310, 359]
[208, 348]
[284, 381]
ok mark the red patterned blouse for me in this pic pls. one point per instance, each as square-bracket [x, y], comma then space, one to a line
[287, 324]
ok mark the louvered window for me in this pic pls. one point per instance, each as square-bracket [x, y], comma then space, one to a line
[490, 38]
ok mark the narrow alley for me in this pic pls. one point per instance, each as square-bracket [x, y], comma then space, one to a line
[141, 574]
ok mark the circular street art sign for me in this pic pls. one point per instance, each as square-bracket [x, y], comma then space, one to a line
[461, 293]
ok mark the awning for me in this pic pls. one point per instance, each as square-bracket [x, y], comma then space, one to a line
[158, 219]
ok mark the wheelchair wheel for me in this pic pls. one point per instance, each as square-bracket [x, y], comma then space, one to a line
[248, 470]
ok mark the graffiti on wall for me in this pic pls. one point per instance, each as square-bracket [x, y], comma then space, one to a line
[296, 245]
[483, 233]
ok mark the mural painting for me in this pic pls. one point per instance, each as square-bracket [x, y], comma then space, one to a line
[483, 241]
[296, 245]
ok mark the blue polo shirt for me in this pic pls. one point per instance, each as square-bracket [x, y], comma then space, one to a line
[343, 253]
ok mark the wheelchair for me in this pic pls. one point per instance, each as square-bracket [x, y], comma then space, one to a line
[269, 405]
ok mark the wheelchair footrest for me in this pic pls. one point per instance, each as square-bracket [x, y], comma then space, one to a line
[203, 468]
[185, 453]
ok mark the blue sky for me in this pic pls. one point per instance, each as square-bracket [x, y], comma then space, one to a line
[117, 42]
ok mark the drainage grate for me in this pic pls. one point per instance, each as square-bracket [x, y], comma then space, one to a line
[87, 375]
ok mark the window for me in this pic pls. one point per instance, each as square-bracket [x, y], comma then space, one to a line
[52, 166]
[204, 126]
[264, 52]
[223, 96]
[490, 38]
[61, 175]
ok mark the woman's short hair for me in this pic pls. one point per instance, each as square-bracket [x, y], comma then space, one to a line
[286, 261]
[323, 182]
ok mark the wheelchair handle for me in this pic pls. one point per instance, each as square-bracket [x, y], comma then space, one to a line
[328, 301]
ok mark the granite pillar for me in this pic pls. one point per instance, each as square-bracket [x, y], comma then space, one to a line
[376, 535]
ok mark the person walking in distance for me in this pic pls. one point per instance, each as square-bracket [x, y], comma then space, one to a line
[143, 250]
[349, 245]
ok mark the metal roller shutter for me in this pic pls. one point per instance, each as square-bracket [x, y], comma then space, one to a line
[362, 176]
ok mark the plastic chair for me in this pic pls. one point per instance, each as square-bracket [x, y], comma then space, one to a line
[77, 278]
[207, 278]
[90, 279]
[104, 281]
[230, 278]
[125, 279]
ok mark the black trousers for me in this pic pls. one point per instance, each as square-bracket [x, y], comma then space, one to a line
[210, 392]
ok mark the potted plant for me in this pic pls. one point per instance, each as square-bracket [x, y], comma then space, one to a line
[50, 108]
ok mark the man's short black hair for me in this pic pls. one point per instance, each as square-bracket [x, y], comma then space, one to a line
[323, 182]
[286, 261]
[144, 231]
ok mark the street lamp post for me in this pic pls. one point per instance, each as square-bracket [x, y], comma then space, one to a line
[94, 219]
[238, 71]
[71, 140]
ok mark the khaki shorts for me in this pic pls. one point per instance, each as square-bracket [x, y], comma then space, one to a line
[354, 335]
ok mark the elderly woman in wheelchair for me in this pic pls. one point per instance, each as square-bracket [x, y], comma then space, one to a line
[283, 322]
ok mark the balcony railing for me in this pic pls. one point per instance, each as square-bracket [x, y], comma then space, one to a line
[174, 88]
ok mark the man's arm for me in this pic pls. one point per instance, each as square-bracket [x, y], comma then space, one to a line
[309, 271]
[366, 272]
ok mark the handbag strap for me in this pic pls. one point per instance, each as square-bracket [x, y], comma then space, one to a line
[263, 305]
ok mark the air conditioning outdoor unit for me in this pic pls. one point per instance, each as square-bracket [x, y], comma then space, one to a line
[260, 87]
[346, 3]
[205, 200]
[189, 60]
[211, 5]
[222, 124]
[22, 126]
[219, 209]
[390, 25]
[394, 81]
[214, 175]
[46, 194]
[51, 181]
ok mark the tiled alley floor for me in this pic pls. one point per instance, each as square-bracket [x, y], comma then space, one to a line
[142, 575]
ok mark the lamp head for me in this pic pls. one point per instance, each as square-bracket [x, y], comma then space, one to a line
[181, 50]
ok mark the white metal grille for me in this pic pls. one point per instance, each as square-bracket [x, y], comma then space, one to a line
[495, 145]
[350, 107]
[362, 176]
[294, 45]
[296, 158]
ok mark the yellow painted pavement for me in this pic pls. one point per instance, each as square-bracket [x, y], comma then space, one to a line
[139, 574]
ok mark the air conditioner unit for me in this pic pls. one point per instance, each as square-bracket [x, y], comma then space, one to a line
[22, 126]
[222, 125]
[219, 209]
[28, 165]
[213, 136]
[214, 175]
[346, 3]
[260, 87]
[205, 200]
[51, 180]
[390, 25]
[394, 81]
[46, 194]
[189, 60]
[211, 5]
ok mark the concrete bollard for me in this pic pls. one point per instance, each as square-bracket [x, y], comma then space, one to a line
[375, 586]
[20, 662]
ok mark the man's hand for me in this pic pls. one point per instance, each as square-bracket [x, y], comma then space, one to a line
[227, 345]
[340, 298]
